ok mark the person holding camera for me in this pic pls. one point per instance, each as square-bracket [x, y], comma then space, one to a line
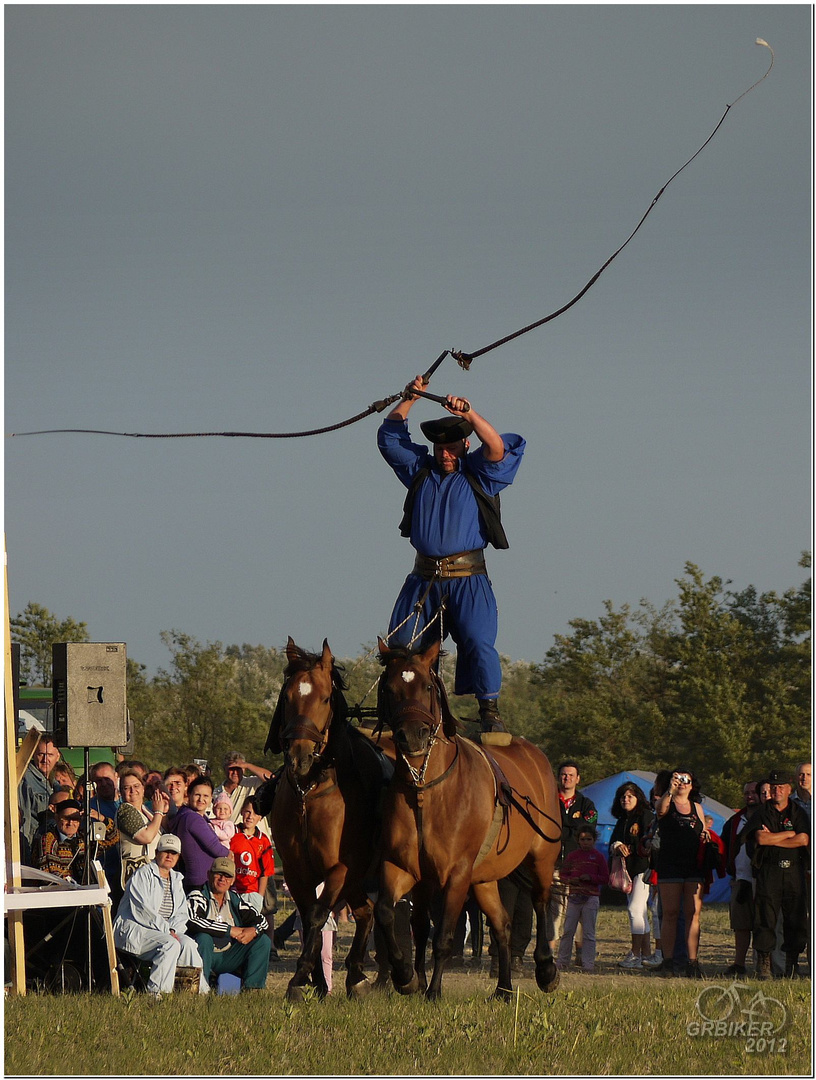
[681, 827]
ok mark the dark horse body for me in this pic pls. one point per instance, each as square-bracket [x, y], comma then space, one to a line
[324, 811]
[444, 832]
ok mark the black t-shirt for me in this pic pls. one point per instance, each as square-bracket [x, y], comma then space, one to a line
[791, 818]
[679, 843]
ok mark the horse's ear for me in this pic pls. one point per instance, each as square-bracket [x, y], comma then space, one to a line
[384, 650]
[292, 651]
[431, 654]
[326, 659]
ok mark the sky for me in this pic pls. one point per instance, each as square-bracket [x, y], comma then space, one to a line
[265, 218]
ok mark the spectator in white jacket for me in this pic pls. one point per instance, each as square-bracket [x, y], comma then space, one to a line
[151, 920]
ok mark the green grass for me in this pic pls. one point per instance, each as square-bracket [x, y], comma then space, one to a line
[608, 1024]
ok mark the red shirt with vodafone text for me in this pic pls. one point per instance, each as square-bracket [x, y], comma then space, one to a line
[254, 859]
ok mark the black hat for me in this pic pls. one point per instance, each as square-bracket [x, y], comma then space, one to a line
[779, 776]
[68, 804]
[448, 429]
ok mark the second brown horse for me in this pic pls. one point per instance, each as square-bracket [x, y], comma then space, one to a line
[324, 811]
[454, 821]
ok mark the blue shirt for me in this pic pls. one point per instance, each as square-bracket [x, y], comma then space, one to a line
[446, 515]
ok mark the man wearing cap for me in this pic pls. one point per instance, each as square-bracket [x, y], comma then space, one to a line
[241, 779]
[151, 920]
[61, 850]
[451, 513]
[777, 838]
[229, 931]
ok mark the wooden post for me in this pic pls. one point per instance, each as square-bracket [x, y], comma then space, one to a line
[11, 810]
[107, 922]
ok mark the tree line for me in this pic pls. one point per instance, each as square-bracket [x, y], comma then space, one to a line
[715, 681]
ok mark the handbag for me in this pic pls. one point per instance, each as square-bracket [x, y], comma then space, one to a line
[619, 876]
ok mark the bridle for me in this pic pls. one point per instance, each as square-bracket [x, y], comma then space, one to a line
[301, 727]
[431, 714]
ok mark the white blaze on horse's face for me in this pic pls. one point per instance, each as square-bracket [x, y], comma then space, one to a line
[304, 688]
[408, 676]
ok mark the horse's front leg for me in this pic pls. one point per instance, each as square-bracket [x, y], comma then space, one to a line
[488, 898]
[394, 884]
[545, 969]
[314, 914]
[453, 901]
[421, 926]
[357, 985]
[313, 919]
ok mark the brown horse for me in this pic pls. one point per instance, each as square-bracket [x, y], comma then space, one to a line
[324, 810]
[458, 818]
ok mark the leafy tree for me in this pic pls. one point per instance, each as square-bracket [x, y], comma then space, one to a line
[210, 701]
[37, 629]
[602, 691]
[741, 673]
[717, 681]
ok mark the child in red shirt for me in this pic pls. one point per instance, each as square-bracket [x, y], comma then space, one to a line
[586, 871]
[253, 855]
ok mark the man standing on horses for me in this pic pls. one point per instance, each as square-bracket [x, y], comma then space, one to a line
[451, 514]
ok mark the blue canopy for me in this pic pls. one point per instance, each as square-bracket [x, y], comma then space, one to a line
[602, 794]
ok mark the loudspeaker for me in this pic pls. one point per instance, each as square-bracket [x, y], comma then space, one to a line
[89, 681]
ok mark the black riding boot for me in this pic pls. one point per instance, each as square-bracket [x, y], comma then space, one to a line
[489, 718]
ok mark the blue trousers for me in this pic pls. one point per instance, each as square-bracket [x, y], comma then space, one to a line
[470, 617]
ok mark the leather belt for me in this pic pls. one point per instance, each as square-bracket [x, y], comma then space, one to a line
[463, 564]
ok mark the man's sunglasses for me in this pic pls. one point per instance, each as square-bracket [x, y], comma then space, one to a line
[71, 817]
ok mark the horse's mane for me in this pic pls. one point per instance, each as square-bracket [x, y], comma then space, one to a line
[402, 652]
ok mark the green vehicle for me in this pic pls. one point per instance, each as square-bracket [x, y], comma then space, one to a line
[35, 704]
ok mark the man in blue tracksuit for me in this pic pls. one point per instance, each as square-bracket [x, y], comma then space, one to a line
[451, 513]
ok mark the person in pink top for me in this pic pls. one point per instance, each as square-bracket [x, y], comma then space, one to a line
[222, 818]
[585, 871]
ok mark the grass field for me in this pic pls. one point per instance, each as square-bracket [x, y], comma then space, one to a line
[609, 1023]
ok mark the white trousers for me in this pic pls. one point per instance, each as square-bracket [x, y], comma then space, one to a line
[637, 903]
[162, 951]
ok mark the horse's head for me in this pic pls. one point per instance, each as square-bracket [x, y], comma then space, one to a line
[412, 698]
[309, 700]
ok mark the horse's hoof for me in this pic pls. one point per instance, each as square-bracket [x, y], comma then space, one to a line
[501, 993]
[359, 990]
[547, 975]
[295, 993]
[410, 987]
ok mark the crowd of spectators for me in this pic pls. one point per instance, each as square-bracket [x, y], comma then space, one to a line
[192, 874]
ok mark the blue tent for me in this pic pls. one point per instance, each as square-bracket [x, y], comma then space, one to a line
[602, 794]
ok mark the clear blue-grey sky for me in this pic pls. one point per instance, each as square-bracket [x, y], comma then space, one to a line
[265, 218]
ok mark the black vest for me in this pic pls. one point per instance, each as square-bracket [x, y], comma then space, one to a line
[489, 507]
